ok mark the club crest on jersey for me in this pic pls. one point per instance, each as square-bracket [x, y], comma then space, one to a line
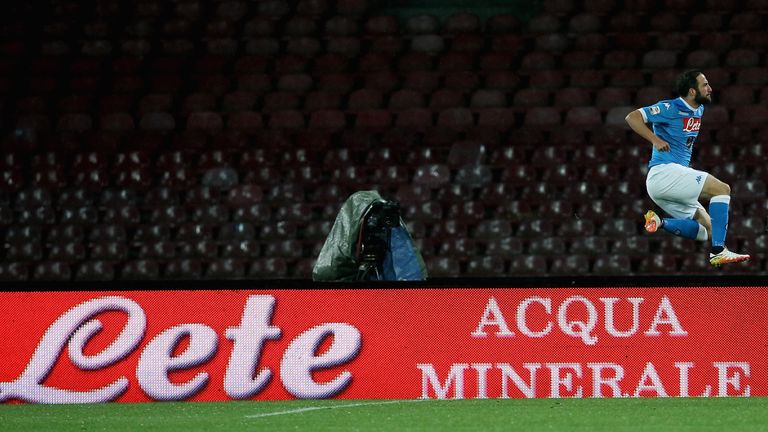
[691, 124]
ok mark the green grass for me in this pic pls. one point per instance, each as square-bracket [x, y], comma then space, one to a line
[705, 414]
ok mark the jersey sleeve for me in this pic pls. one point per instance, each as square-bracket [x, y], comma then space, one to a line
[661, 112]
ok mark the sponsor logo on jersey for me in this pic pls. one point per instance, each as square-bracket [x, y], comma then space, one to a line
[691, 124]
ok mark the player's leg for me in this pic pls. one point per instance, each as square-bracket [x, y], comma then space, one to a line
[719, 195]
[690, 228]
[676, 189]
[702, 217]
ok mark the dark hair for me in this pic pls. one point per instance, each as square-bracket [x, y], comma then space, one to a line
[687, 80]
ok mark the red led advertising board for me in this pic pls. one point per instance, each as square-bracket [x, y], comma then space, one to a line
[205, 345]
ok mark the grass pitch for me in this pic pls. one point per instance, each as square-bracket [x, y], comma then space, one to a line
[688, 414]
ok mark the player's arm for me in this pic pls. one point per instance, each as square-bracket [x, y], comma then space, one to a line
[636, 121]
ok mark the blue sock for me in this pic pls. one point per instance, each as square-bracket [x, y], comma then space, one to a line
[718, 211]
[687, 228]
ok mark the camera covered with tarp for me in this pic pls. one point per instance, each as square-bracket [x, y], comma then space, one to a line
[369, 241]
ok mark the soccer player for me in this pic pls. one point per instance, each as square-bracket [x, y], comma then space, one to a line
[671, 183]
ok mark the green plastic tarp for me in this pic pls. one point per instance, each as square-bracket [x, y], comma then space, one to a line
[337, 260]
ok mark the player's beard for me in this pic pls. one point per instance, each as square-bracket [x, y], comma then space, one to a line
[701, 99]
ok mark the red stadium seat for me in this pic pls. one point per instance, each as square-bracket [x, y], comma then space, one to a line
[322, 100]
[742, 58]
[746, 20]
[610, 97]
[538, 60]
[455, 61]
[531, 97]
[583, 117]
[650, 95]
[544, 23]
[456, 119]
[445, 99]
[365, 99]
[620, 59]
[556, 42]
[382, 25]
[659, 59]
[502, 24]
[587, 78]
[542, 117]
[385, 81]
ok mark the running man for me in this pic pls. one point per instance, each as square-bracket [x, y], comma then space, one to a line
[671, 183]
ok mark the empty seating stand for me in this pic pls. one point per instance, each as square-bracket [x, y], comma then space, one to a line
[218, 140]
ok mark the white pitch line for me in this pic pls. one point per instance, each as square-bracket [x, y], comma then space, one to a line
[331, 407]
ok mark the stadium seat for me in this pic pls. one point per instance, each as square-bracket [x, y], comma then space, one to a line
[612, 265]
[455, 119]
[572, 97]
[95, 270]
[488, 266]
[531, 97]
[537, 61]
[546, 246]
[572, 264]
[752, 115]
[269, 268]
[547, 79]
[535, 228]
[382, 25]
[502, 24]
[424, 82]
[445, 98]
[159, 250]
[495, 61]
[659, 264]
[544, 23]
[587, 79]
[226, 268]
[543, 117]
[422, 24]
[747, 227]
[742, 58]
[406, 99]
[463, 81]
[142, 269]
[749, 189]
[659, 59]
[375, 119]
[583, 117]
[439, 267]
[24, 251]
[365, 99]
[52, 271]
[528, 265]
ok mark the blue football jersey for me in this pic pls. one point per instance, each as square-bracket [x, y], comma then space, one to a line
[678, 124]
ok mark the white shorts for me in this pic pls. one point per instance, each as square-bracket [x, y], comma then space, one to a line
[676, 189]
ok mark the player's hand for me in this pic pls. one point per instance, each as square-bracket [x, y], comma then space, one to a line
[660, 145]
